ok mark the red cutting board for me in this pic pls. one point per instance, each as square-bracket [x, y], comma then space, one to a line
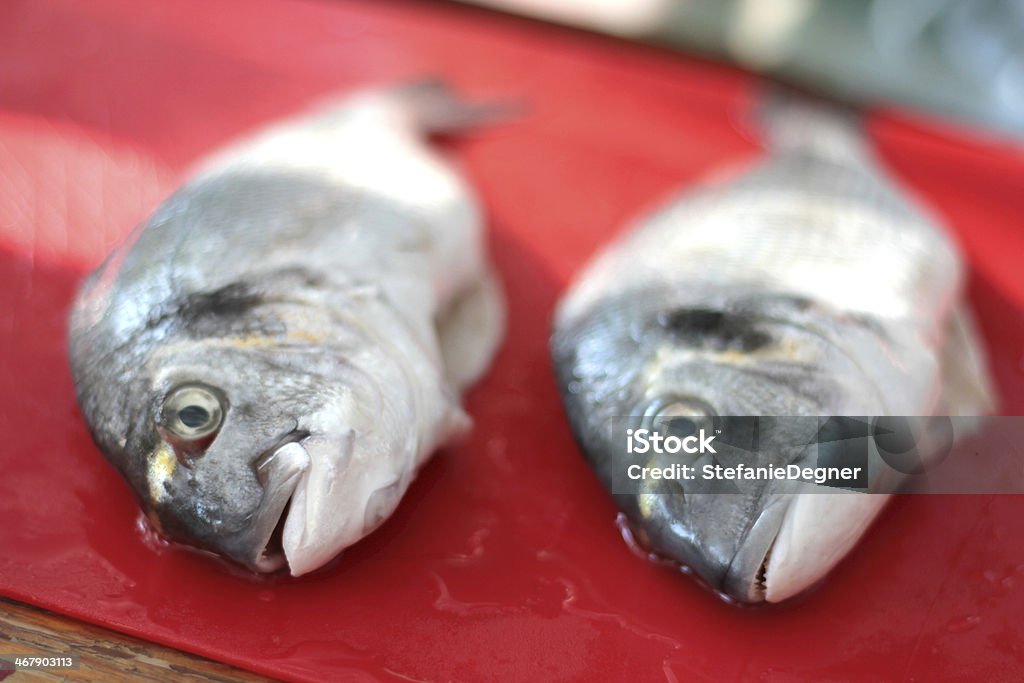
[504, 562]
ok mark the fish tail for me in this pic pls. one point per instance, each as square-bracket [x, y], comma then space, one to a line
[794, 122]
[436, 108]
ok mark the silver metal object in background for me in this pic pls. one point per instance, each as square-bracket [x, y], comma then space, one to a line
[960, 58]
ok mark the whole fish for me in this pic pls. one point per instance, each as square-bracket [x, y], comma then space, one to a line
[271, 357]
[807, 285]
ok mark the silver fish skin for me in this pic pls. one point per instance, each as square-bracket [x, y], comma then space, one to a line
[808, 284]
[271, 357]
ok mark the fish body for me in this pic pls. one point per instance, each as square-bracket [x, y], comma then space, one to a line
[271, 356]
[807, 285]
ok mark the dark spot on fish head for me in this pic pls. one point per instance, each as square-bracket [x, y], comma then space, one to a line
[714, 330]
[235, 310]
[233, 299]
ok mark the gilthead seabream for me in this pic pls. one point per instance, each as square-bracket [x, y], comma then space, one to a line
[807, 285]
[271, 357]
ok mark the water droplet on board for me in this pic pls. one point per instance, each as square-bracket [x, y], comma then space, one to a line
[964, 624]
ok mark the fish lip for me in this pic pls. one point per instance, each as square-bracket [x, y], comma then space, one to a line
[280, 470]
[745, 579]
[295, 435]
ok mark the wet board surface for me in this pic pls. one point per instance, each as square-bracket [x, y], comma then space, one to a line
[504, 561]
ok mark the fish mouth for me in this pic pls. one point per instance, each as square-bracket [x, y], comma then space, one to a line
[280, 470]
[746, 579]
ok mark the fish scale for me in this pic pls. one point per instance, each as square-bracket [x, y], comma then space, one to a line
[866, 252]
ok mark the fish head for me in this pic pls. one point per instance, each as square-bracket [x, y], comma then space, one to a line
[659, 359]
[218, 452]
[213, 437]
[259, 430]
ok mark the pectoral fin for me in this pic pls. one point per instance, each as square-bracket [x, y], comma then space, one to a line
[470, 330]
[967, 387]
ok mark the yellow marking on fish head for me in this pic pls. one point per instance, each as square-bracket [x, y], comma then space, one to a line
[668, 356]
[649, 491]
[162, 464]
[306, 336]
[645, 503]
[790, 350]
[258, 341]
[250, 342]
[731, 357]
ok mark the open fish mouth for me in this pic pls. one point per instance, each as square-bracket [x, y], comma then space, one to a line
[747, 576]
[280, 471]
[795, 541]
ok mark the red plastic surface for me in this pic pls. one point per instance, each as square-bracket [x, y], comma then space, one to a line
[504, 562]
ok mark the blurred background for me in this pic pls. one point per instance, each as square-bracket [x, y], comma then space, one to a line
[958, 58]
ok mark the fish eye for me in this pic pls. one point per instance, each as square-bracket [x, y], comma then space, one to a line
[192, 411]
[680, 413]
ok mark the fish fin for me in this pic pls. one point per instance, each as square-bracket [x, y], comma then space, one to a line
[470, 329]
[966, 384]
[791, 121]
[436, 108]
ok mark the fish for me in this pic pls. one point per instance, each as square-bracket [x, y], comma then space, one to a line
[809, 282]
[274, 353]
